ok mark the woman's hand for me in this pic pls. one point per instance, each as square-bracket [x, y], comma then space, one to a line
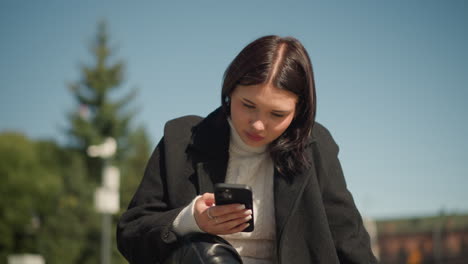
[221, 219]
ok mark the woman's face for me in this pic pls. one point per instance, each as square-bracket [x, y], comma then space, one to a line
[261, 113]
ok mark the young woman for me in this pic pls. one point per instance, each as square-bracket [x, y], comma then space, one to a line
[264, 135]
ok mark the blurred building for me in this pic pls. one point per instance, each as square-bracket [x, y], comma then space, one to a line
[435, 239]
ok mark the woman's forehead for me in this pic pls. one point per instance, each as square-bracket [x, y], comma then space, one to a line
[267, 95]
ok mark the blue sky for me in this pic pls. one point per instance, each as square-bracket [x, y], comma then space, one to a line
[391, 78]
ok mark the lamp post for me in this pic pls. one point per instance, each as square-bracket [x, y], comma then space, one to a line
[106, 197]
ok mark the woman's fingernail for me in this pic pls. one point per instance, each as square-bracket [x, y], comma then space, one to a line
[248, 217]
[248, 212]
[241, 207]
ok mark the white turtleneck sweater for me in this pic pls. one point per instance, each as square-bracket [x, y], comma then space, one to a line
[251, 166]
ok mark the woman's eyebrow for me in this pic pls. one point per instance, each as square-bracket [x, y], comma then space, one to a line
[248, 101]
[281, 111]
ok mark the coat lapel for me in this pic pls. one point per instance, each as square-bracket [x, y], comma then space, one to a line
[209, 173]
[286, 194]
[209, 150]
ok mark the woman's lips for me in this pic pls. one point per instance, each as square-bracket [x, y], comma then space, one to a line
[254, 137]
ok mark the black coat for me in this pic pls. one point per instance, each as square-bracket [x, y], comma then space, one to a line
[316, 219]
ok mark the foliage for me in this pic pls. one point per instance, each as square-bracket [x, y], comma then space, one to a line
[47, 189]
[19, 206]
[44, 199]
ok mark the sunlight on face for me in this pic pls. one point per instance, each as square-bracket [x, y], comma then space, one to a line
[261, 113]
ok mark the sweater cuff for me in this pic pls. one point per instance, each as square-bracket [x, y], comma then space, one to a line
[185, 222]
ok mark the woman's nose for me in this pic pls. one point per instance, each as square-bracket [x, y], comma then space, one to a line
[258, 124]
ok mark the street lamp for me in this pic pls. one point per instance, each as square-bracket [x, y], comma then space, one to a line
[106, 197]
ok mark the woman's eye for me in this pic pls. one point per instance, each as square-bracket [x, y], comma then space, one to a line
[248, 106]
[277, 115]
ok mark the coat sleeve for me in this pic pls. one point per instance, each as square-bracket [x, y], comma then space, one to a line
[144, 232]
[351, 239]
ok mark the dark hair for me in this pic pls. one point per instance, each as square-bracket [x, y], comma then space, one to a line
[284, 63]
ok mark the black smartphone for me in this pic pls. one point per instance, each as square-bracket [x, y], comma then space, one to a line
[226, 193]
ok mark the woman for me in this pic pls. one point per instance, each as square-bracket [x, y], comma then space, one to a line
[264, 135]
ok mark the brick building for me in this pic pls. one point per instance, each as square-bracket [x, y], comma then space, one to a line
[436, 239]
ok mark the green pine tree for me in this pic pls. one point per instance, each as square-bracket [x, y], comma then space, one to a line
[100, 116]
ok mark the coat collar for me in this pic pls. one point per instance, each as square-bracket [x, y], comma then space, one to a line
[210, 137]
